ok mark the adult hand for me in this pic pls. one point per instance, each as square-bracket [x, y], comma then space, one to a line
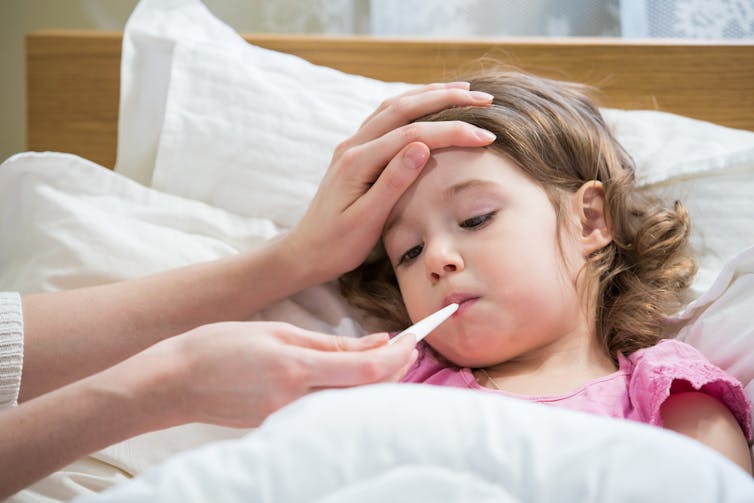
[233, 374]
[237, 373]
[372, 169]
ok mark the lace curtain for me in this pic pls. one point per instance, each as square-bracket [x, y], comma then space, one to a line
[457, 18]
[463, 18]
[706, 19]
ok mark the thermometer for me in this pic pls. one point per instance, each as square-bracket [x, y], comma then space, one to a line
[422, 328]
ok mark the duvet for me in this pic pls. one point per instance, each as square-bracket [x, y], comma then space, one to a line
[405, 442]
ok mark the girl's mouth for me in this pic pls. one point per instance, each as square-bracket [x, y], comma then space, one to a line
[464, 303]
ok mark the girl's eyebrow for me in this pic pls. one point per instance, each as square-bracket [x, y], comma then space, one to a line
[474, 183]
[449, 193]
[392, 222]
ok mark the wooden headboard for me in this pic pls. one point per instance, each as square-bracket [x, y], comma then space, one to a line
[73, 76]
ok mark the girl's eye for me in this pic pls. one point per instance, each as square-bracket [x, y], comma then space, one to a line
[410, 255]
[471, 223]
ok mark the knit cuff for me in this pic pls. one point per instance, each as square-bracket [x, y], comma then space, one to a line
[11, 347]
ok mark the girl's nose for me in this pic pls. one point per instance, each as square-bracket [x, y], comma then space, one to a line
[442, 259]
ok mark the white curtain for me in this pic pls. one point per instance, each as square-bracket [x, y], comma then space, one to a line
[456, 18]
[710, 19]
[450, 18]
[703, 19]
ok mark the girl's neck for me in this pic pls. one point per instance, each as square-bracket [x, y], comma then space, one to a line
[551, 370]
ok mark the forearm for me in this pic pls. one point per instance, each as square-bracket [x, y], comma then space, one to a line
[72, 334]
[49, 432]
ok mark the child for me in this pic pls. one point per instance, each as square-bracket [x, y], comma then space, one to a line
[564, 272]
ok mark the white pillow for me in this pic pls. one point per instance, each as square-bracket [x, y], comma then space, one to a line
[243, 128]
[668, 147]
[76, 224]
[146, 59]
[252, 130]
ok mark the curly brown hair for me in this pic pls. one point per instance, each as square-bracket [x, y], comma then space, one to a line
[554, 132]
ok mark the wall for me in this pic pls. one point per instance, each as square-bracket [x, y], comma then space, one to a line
[17, 17]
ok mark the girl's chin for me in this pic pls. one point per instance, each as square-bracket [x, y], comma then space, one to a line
[460, 358]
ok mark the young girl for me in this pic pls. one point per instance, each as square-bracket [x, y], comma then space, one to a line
[564, 272]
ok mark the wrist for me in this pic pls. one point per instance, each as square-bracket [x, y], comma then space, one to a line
[299, 262]
[147, 388]
[54, 429]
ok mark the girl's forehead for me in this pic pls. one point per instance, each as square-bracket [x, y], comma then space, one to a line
[449, 168]
[453, 171]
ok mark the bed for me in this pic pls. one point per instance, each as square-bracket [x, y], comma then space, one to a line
[179, 141]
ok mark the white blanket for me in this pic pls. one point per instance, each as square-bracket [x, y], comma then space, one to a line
[414, 443]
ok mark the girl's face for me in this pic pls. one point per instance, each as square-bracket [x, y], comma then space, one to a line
[474, 229]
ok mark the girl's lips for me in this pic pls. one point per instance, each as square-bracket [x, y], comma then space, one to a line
[463, 304]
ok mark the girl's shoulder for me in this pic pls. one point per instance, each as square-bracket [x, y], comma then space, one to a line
[673, 366]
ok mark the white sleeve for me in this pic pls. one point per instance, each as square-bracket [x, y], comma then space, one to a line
[11, 347]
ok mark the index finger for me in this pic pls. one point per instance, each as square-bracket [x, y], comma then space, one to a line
[325, 342]
[414, 91]
[353, 368]
[407, 108]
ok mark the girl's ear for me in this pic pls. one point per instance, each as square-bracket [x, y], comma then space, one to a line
[589, 203]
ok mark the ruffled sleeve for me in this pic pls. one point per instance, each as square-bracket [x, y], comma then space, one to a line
[658, 368]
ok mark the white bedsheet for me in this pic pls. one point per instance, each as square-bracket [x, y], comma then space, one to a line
[396, 443]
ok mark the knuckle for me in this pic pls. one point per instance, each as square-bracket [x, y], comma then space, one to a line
[459, 127]
[410, 132]
[455, 94]
[341, 148]
[458, 95]
[279, 326]
[350, 156]
[388, 103]
[281, 330]
[372, 371]
[339, 344]
[393, 183]
[294, 372]
[402, 106]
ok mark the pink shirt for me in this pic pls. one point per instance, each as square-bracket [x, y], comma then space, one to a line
[635, 391]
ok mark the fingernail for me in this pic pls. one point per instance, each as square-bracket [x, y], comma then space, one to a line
[457, 85]
[415, 157]
[485, 135]
[481, 96]
[408, 337]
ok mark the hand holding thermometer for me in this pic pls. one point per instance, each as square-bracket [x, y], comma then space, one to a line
[422, 328]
